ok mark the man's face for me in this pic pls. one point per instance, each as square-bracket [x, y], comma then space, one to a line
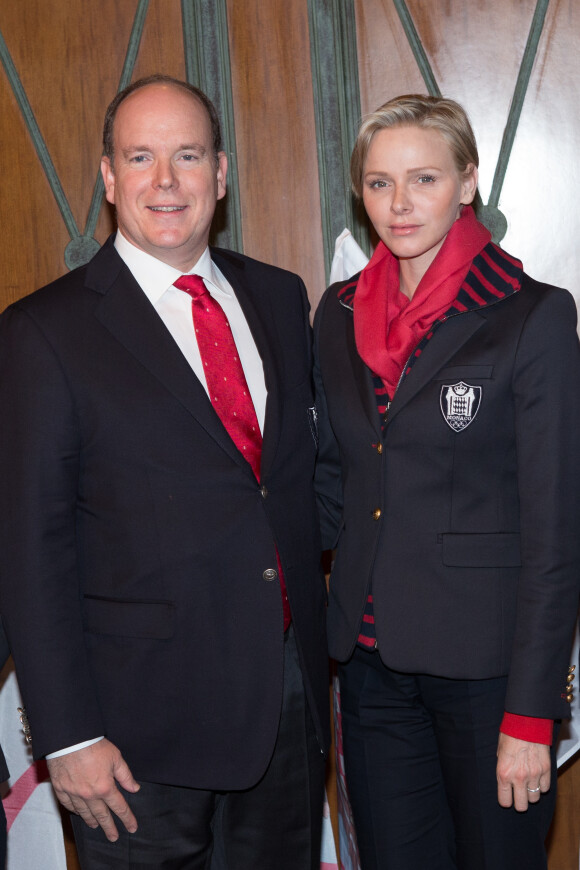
[165, 181]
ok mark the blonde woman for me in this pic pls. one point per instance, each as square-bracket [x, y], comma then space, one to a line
[449, 482]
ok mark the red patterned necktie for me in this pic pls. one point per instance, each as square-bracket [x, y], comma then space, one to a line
[226, 383]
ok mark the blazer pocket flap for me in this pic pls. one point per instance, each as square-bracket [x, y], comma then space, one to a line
[481, 550]
[464, 373]
[145, 619]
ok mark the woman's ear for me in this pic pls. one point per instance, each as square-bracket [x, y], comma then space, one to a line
[469, 184]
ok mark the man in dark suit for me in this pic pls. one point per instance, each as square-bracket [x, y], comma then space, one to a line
[162, 593]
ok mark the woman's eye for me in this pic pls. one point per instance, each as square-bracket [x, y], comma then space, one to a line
[426, 179]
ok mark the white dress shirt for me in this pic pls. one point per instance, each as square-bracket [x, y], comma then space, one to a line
[174, 308]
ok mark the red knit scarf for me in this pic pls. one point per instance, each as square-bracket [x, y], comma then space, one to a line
[387, 325]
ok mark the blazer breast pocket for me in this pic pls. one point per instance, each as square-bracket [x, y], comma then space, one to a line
[461, 392]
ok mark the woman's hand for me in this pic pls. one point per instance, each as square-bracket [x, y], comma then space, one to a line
[523, 772]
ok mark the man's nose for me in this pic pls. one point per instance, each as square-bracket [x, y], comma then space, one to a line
[165, 176]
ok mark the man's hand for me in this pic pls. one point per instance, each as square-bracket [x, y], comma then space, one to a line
[85, 782]
[523, 772]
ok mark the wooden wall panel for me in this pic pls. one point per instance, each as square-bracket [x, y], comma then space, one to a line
[475, 50]
[386, 64]
[161, 47]
[274, 115]
[26, 258]
[70, 56]
[68, 81]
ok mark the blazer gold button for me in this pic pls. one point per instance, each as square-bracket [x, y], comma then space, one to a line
[270, 574]
[379, 447]
[264, 491]
[377, 514]
[570, 678]
[570, 698]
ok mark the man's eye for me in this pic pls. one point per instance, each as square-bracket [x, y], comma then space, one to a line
[138, 158]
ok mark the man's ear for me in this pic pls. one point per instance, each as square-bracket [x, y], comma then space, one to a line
[222, 171]
[108, 178]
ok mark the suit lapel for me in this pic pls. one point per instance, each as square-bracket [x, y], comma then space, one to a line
[128, 315]
[256, 303]
[355, 374]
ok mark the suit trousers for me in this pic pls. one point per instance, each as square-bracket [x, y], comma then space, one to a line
[276, 825]
[420, 760]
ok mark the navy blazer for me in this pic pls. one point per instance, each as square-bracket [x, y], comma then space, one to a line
[136, 541]
[469, 534]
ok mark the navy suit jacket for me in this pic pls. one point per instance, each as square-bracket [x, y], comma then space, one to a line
[471, 537]
[137, 541]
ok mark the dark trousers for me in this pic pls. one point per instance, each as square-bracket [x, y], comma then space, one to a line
[420, 759]
[276, 825]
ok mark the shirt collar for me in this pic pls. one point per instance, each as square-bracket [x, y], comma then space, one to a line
[156, 277]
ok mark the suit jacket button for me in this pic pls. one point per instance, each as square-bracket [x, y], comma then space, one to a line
[378, 447]
[570, 698]
[264, 491]
[377, 514]
[270, 574]
[25, 724]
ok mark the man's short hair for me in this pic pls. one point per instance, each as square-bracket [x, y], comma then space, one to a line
[158, 79]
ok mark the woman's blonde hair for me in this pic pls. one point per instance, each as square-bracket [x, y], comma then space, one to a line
[416, 110]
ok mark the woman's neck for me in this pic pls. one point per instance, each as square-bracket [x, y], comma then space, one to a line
[409, 277]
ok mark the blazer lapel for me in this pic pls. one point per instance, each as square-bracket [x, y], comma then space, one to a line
[446, 341]
[129, 316]
[363, 383]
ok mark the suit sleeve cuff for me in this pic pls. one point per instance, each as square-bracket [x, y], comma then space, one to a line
[528, 728]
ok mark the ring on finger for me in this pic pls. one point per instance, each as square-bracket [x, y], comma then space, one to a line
[534, 790]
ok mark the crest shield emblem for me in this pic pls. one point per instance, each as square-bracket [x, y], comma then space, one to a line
[459, 404]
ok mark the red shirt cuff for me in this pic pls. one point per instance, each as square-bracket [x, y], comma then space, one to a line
[528, 728]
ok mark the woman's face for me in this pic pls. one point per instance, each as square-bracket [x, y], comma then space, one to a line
[412, 192]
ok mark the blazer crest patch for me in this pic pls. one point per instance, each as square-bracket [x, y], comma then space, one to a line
[459, 404]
